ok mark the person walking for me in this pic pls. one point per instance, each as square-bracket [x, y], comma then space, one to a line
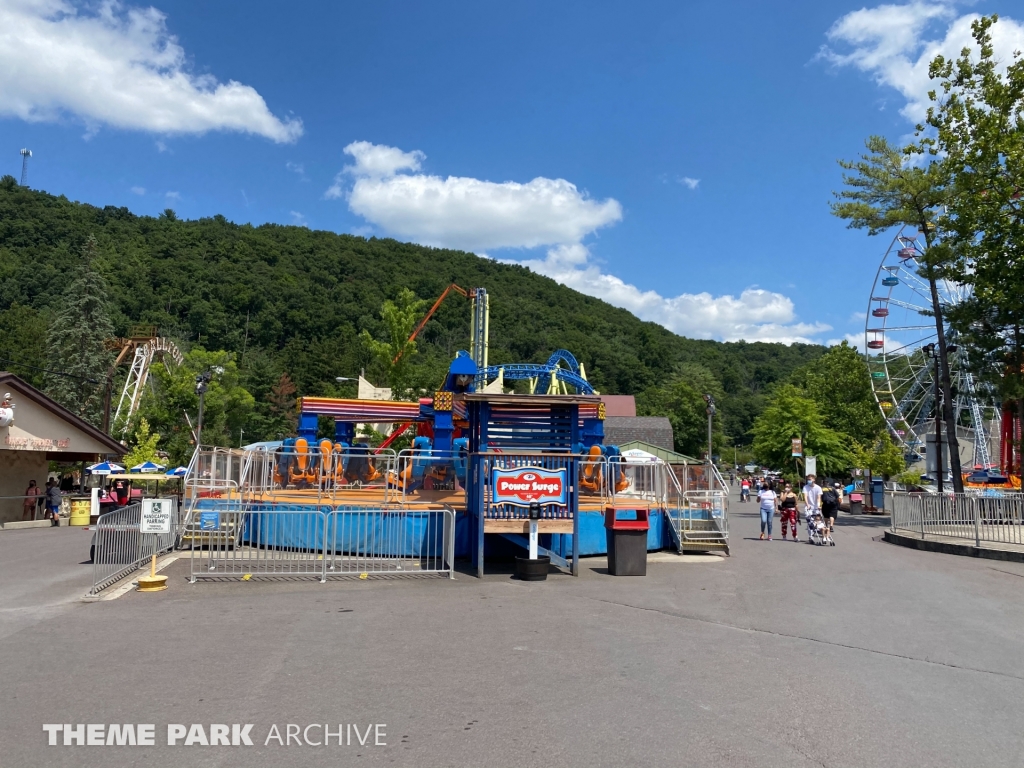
[831, 498]
[32, 493]
[811, 494]
[769, 502]
[745, 489]
[787, 510]
[53, 499]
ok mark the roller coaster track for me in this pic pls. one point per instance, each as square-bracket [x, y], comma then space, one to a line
[545, 374]
[146, 352]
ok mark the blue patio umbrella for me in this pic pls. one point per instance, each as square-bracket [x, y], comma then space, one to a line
[148, 466]
[104, 468]
[177, 472]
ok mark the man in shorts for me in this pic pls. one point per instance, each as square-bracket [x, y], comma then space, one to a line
[811, 494]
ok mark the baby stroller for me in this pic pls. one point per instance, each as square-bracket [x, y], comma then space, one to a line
[818, 532]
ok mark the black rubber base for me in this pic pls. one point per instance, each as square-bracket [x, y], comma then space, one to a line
[532, 570]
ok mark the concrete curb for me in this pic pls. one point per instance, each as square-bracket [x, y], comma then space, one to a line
[949, 548]
[15, 525]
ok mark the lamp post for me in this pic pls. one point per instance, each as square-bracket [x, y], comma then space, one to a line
[202, 384]
[711, 415]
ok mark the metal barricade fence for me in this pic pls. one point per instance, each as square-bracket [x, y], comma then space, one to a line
[235, 540]
[119, 548]
[398, 541]
[984, 518]
[247, 541]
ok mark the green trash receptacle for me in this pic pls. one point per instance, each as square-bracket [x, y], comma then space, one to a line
[627, 543]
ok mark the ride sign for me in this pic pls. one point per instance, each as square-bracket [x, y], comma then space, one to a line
[523, 485]
[156, 516]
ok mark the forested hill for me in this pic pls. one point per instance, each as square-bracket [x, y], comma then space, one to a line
[295, 300]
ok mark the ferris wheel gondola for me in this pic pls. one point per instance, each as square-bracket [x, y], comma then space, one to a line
[899, 323]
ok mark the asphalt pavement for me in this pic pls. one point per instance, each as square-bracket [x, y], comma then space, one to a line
[785, 654]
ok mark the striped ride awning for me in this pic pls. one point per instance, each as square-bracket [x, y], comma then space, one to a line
[368, 411]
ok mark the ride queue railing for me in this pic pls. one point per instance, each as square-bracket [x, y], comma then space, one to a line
[984, 518]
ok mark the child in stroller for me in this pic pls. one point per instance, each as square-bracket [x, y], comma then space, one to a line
[818, 531]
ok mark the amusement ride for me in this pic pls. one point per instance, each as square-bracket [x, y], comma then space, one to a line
[899, 336]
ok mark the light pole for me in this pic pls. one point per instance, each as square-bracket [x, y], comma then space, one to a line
[932, 351]
[711, 415]
[202, 384]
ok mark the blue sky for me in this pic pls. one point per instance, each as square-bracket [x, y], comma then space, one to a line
[676, 159]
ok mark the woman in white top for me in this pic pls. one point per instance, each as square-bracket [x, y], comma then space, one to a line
[768, 501]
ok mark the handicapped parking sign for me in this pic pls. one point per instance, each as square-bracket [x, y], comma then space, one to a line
[156, 516]
[209, 521]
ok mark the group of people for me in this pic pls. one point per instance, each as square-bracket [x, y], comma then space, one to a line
[50, 496]
[821, 506]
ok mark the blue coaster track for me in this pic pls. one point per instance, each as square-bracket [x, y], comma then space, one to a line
[543, 373]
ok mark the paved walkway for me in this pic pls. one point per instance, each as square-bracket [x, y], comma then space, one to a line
[785, 654]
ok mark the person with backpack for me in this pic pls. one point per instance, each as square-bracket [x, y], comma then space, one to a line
[830, 500]
[53, 500]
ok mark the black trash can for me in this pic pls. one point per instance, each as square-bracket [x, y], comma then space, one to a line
[627, 543]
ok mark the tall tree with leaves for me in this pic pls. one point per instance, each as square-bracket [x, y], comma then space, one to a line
[393, 358]
[76, 352]
[977, 124]
[790, 413]
[839, 382]
[886, 189]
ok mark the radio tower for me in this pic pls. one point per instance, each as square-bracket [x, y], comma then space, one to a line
[25, 155]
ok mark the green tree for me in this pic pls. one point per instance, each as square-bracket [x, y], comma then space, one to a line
[173, 408]
[790, 413]
[839, 382]
[883, 457]
[977, 126]
[143, 447]
[23, 342]
[888, 189]
[76, 349]
[393, 358]
[683, 404]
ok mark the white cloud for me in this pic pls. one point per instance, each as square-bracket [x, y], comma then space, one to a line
[757, 315]
[688, 182]
[896, 43]
[172, 195]
[116, 65]
[298, 169]
[139, 190]
[161, 147]
[459, 212]
[298, 219]
[479, 216]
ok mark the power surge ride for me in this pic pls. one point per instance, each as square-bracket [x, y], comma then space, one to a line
[480, 454]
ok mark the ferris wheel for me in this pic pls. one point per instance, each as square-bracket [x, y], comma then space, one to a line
[899, 326]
